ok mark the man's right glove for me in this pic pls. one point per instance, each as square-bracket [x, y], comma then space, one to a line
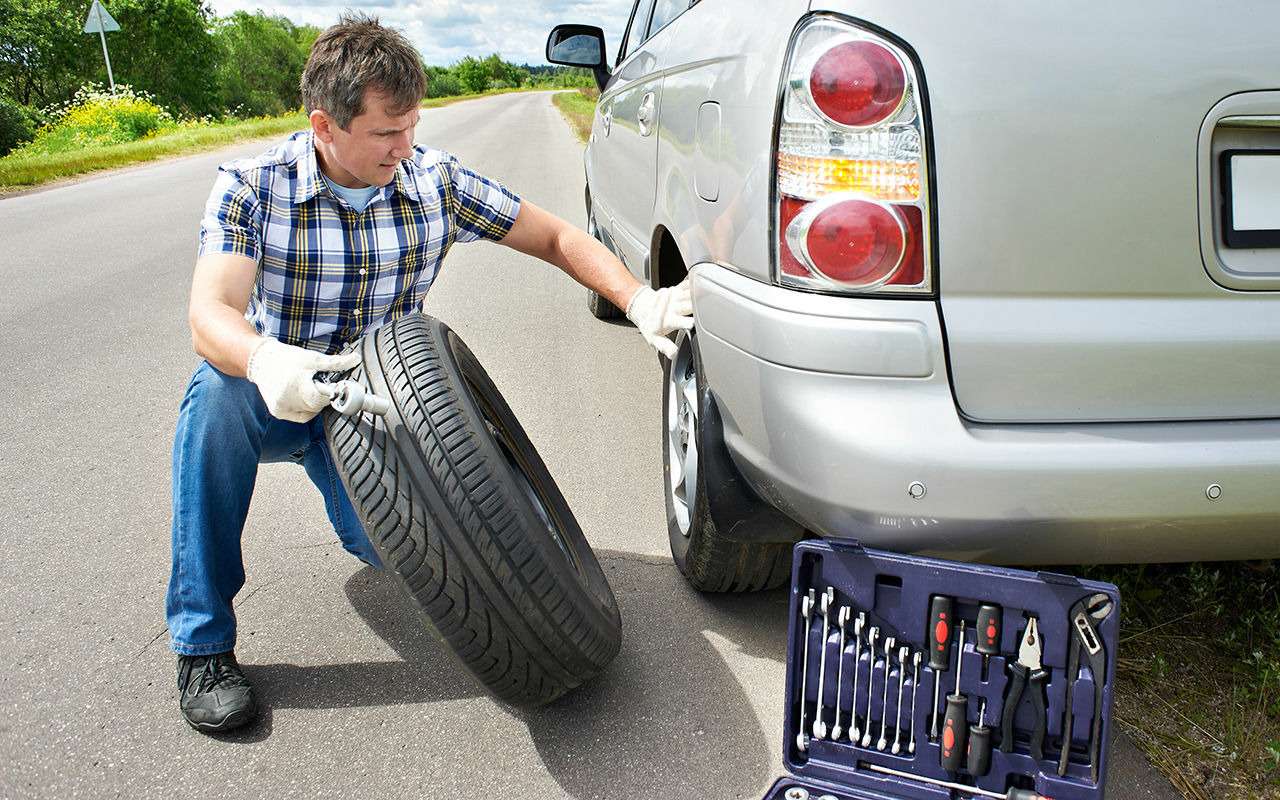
[285, 377]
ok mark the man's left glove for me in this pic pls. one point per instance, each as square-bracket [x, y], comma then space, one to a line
[657, 314]
[285, 377]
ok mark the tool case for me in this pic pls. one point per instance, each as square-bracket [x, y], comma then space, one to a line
[897, 593]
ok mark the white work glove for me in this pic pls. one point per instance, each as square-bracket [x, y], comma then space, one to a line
[657, 314]
[285, 376]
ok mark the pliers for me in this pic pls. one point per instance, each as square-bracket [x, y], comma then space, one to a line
[1085, 616]
[1027, 673]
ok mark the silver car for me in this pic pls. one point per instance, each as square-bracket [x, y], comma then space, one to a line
[992, 281]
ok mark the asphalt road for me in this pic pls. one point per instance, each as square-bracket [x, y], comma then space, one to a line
[360, 700]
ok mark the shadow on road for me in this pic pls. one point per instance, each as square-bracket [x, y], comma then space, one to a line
[670, 713]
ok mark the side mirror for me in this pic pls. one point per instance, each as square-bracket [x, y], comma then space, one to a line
[579, 46]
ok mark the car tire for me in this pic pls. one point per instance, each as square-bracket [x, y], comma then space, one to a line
[708, 560]
[462, 510]
[599, 307]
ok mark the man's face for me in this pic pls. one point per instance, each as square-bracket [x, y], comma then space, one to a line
[373, 145]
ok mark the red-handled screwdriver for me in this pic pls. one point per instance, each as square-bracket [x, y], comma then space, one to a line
[955, 730]
[941, 611]
[986, 638]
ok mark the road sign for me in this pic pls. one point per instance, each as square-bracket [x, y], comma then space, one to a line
[100, 22]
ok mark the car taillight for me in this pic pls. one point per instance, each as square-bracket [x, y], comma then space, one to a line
[857, 83]
[851, 188]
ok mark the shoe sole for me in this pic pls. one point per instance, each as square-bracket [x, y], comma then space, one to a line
[233, 720]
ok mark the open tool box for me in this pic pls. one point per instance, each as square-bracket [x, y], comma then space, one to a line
[862, 725]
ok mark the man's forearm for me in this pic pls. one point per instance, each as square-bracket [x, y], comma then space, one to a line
[223, 337]
[590, 263]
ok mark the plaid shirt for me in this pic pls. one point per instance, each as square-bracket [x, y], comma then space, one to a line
[326, 275]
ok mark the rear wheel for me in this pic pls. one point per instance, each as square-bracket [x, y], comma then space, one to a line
[461, 508]
[599, 307]
[710, 562]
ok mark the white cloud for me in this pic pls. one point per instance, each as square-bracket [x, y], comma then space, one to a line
[446, 30]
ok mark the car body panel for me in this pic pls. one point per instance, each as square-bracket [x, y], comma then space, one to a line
[1067, 206]
[837, 445]
[631, 151]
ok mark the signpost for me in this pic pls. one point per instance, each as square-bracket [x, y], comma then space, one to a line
[100, 22]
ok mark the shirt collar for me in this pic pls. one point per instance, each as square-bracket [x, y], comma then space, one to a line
[311, 182]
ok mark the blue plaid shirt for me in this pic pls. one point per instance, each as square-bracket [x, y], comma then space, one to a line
[327, 274]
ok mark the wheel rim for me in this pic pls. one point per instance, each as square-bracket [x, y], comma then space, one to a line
[682, 433]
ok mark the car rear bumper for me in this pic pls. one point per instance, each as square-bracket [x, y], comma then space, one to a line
[834, 407]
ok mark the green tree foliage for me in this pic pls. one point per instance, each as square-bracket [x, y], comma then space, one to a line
[18, 124]
[261, 59]
[472, 74]
[44, 57]
[164, 48]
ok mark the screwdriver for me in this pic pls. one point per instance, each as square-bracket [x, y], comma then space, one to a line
[979, 752]
[1012, 794]
[941, 609]
[955, 722]
[987, 638]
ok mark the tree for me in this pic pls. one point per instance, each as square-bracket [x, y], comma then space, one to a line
[472, 74]
[165, 47]
[43, 54]
[261, 62]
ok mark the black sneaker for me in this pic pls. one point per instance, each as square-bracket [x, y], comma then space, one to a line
[214, 696]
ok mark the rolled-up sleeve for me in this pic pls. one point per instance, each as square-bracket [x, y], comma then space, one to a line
[232, 221]
[482, 208]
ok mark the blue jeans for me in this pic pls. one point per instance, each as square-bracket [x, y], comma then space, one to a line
[224, 432]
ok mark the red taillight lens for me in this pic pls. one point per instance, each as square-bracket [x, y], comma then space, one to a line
[857, 83]
[852, 242]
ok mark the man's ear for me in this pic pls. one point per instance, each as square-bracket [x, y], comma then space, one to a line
[323, 126]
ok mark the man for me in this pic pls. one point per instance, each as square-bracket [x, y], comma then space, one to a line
[302, 251]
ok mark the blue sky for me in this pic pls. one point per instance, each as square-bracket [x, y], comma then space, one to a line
[446, 30]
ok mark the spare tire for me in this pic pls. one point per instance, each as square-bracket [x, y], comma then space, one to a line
[461, 509]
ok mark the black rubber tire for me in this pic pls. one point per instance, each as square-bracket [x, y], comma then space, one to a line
[601, 308]
[709, 561]
[461, 508]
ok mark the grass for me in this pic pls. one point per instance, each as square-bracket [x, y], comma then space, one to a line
[19, 170]
[579, 109]
[1198, 678]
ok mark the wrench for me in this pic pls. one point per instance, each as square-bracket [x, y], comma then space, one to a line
[842, 619]
[883, 741]
[915, 682]
[350, 398]
[902, 673]
[872, 635]
[858, 625]
[806, 609]
[819, 724]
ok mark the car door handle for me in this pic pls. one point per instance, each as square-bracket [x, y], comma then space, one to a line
[644, 114]
[606, 120]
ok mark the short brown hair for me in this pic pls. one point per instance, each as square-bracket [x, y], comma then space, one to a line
[358, 54]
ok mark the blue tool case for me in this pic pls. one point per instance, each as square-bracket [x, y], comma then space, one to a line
[845, 677]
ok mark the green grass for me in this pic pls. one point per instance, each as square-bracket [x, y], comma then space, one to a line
[1198, 678]
[578, 108]
[20, 170]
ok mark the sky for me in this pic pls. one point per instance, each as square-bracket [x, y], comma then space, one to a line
[446, 30]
